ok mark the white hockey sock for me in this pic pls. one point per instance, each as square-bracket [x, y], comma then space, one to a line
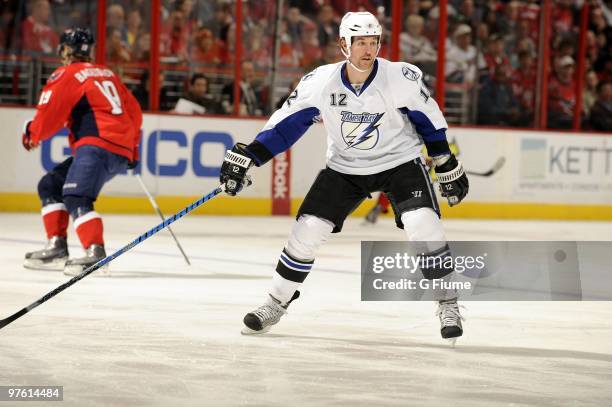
[423, 225]
[296, 260]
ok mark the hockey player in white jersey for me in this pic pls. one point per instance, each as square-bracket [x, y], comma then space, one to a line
[377, 115]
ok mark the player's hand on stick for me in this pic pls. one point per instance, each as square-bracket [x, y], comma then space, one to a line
[133, 163]
[26, 140]
[234, 169]
[454, 184]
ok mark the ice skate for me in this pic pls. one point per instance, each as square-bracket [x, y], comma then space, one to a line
[450, 319]
[94, 254]
[261, 320]
[52, 257]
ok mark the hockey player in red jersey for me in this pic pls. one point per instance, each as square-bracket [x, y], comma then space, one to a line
[104, 120]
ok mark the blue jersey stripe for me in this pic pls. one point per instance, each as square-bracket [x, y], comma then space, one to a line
[435, 139]
[289, 130]
[424, 126]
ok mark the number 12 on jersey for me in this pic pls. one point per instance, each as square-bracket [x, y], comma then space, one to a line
[109, 91]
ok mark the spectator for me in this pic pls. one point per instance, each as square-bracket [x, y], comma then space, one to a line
[483, 33]
[524, 34]
[142, 91]
[311, 7]
[115, 20]
[257, 50]
[415, 47]
[461, 57]
[36, 34]
[116, 49]
[142, 48]
[134, 24]
[252, 102]
[524, 84]
[206, 49]
[221, 22]
[563, 16]
[143, 6]
[175, 36]
[433, 17]
[295, 24]
[495, 53]
[186, 6]
[592, 50]
[507, 19]
[331, 54]
[565, 47]
[529, 13]
[190, 25]
[605, 64]
[561, 95]
[466, 14]
[289, 57]
[328, 27]
[309, 45]
[589, 94]
[601, 113]
[197, 99]
[497, 105]
[523, 45]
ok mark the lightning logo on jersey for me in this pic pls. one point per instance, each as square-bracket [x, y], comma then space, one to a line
[360, 130]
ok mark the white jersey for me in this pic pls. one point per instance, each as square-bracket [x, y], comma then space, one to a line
[369, 131]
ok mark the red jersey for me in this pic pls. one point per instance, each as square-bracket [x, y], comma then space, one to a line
[561, 97]
[94, 104]
[210, 56]
[524, 86]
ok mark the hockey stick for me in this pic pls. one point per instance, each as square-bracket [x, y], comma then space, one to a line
[161, 215]
[496, 167]
[108, 259]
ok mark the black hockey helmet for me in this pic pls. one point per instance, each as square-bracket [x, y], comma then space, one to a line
[79, 40]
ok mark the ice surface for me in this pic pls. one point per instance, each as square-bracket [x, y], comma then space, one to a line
[161, 333]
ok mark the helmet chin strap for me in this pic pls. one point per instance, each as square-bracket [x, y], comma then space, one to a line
[347, 55]
[355, 68]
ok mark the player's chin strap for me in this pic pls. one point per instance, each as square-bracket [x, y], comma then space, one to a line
[348, 61]
[347, 55]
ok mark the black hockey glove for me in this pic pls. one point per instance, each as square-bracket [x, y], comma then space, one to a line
[454, 184]
[234, 169]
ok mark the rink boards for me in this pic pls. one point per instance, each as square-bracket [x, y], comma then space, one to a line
[545, 175]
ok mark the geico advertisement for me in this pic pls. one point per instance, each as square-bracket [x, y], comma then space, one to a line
[178, 156]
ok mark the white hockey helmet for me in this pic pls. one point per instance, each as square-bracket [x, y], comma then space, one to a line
[359, 24]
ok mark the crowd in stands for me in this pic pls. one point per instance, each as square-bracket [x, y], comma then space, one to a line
[491, 49]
